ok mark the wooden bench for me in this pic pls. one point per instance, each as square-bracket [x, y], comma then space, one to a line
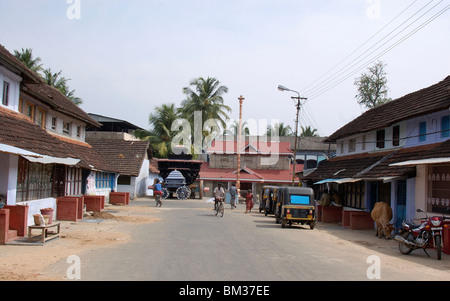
[46, 235]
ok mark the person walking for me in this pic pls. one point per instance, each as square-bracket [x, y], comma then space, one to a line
[233, 194]
[249, 202]
[157, 191]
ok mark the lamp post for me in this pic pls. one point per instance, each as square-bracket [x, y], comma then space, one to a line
[238, 173]
[298, 98]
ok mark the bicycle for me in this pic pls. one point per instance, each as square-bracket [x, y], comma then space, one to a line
[219, 209]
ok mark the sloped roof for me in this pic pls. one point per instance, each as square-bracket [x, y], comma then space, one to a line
[247, 175]
[126, 156]
[428, 100]
[19, 131]
[58, 102]
[344, 167]
[89, 157]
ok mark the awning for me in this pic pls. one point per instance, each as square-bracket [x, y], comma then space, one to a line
[52, 160]
[8, 149]
[338, 181]
[422, 162]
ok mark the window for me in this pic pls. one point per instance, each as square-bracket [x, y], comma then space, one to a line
[34, 181]
[53, 123]
[351, 145]
[380, 138]
[363, 144]
[5, 97]
[66, 128]
[40, 118]
[78, 131]
[124, 180]
[445, 127]
[438, 195]
[396, 135]
[423, 131]
[342, 147]
[29, 110]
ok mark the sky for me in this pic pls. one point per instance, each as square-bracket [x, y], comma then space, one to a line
[126, 57]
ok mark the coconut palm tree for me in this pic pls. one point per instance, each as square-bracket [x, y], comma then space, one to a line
[26, 57]
[60, 83]
[281, 129]
[308, 132]
[206, 96]
[160, 135]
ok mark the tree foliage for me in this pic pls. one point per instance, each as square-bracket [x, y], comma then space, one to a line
[372, 86]
[160, 135]
[308, 132]
[50, 78]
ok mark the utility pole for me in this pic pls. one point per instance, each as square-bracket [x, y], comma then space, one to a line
[299, 99]
[238, 173]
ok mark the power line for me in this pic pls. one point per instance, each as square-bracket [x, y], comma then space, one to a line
[334, 80]
[328, 86]
[343, 60]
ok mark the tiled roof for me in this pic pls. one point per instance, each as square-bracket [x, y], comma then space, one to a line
[344, 167]
[126, 156]
[19, 131]
[89, 157]
[378, 165]
[58, 102]
[246, 174]
[428, 100]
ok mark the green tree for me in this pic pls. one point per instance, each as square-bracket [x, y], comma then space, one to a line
[281, 129]
[206, 96]
[160, 135]
[60, 83]
[308, 132]
[372, 86]
[233, 128]
[26, 57]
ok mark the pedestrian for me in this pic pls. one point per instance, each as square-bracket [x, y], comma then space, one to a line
[157, 192]
[249, 202]
[233, 194]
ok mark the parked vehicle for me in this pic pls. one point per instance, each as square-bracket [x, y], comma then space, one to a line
[426, 235]
[268, 200]
[295, 205]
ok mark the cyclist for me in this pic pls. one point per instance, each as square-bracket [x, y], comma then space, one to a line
[157, 191]
[219, 195]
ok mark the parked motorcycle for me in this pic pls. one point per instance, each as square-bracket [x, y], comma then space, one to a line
[426, 235]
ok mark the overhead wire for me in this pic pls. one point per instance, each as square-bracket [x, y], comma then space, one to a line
[335, 79]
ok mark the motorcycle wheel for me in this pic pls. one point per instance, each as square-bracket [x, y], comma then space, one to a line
[403, 248]
[437, 241]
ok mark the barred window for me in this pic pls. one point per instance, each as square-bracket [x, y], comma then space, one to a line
[34, 181]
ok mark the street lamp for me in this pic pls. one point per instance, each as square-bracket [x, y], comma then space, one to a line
[284, 89]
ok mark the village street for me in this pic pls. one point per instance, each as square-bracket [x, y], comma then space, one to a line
[186, 242]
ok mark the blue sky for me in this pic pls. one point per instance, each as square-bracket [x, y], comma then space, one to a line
[124, 58]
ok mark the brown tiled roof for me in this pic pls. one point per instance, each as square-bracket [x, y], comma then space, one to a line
[58, 102]
[344, 167]
[19, 131]
[154, 166]
[428, 100]
[126, 156]
[89, 157]
[15, 65]
[378, 165]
